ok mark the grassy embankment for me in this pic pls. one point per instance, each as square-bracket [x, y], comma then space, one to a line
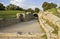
[9, 14]
[55, 12]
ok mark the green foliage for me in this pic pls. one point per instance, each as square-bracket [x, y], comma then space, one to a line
[30, 10]
[13, 7]
[53, 10]
[53, 5]
[37, 10]
[19, 8]
[47, 6]
[58, 7]
[2, 7]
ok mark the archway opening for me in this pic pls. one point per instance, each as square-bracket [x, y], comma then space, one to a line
[21, 17]
[35, 16]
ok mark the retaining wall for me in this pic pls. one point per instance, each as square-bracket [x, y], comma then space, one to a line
[8, 22]
[19, 18]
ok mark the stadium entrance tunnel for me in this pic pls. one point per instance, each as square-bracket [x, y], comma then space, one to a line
[35, 16]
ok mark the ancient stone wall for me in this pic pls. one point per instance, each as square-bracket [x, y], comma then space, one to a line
[20, 17]
[25, 17]
[8, 22]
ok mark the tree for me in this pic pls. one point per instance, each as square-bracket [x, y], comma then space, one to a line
[19, 8]
[11, 7]
[14, 7]
[30, 10]
[2, 7]
[37, 10]
[53, 5]
[58, 7]
[47, 5]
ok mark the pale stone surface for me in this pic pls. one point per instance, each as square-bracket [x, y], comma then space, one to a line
[52, 18]
[43, 26]
[58, 10]
[16, 36]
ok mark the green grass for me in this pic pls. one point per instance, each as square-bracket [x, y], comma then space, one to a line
[9, 14]
[54, 11]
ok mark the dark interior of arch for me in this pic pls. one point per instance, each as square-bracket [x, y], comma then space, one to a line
[35, 15]
[21, 17]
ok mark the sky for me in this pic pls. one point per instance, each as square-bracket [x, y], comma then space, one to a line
[29, 3]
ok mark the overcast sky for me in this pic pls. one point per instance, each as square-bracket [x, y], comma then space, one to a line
[29, 3]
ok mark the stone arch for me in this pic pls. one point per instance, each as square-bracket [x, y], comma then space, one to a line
[21, 16]
[35, 16]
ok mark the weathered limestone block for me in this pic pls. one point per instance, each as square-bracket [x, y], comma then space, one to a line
[18, 15]
[52, 18]
[55, 20]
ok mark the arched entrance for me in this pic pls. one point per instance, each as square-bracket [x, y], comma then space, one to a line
[35, 16]
[21, 17]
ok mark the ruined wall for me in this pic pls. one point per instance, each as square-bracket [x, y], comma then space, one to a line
[20, 17]
[8, 22]
[29, 16]
[25, 17]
